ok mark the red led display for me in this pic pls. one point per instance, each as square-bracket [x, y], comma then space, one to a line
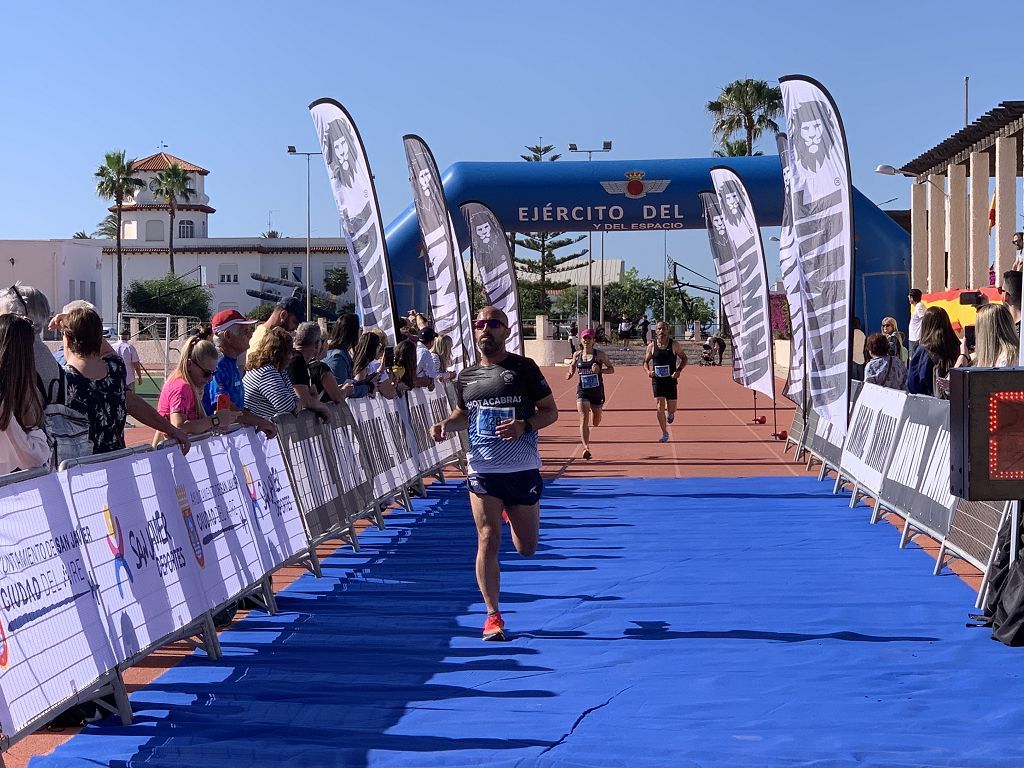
[1006, 435]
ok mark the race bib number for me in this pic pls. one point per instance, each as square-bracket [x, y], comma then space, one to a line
[662, 371]
[488, 419]
[589, 381]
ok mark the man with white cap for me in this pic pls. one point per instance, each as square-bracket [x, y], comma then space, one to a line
[231, 334]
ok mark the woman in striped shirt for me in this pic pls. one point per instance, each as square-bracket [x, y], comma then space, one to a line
[268, 390]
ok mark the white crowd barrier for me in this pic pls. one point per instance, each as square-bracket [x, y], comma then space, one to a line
[897, 451]
[112, 557]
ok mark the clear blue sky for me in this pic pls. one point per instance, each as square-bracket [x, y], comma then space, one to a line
[226, 85]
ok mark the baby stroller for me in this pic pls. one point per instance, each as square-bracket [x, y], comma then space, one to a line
[706, 358]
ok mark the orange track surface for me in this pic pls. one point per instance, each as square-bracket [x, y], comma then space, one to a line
[713, 436]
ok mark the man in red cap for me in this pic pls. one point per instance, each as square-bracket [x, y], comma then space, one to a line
[231, 333]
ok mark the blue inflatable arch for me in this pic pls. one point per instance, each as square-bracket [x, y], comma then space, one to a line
[644, 195]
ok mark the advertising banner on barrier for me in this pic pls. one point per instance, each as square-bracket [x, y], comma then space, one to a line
[792, 281]
[822, 205]
[446, 278]
[426, 408]
[493, 257]
[728, 278]
[53, 636]
[745, 235]
[356, 198]
[391, 462]
[278, 530]
[313, 475]
[872, 436]
[147, 554]
[352, 461]
[916, 483]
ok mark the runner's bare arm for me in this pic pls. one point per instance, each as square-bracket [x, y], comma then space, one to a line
[678, 349]
[459, 420]
[648, 356]
[606, 364]
[572, 367]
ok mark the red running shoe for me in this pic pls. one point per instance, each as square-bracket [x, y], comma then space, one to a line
[494, 627]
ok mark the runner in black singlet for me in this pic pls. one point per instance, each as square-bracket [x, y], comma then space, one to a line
[503, 401]
[660, 364]
[591, 364]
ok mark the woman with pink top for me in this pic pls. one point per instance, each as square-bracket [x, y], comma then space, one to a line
[181, 399]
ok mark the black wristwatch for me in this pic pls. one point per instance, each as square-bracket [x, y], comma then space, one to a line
[527, 427]
[215, 420]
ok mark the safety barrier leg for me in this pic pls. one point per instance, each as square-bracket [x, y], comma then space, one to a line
[907, 534]
[855, 494]
[439, 476]
[208, 635]
[378, 514]
[940, 560]
[124, 706]
[838, 485]
[406, 501]
[353, 538]
[313, 563]
[267, 593]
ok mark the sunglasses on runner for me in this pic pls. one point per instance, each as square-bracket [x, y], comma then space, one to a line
[492, 323]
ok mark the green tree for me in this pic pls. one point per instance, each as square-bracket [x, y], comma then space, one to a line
[260, 312]
[114, 181]
[81, 235]
[270, 234]
[171, 186]
[745, 106]
[737, 148]
[336, 281]
[533, 294]
[168, 295]
[107, 227]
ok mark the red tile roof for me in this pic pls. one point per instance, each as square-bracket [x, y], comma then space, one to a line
[161, 161]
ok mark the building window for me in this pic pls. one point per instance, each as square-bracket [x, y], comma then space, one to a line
[297, 273]
[186, 228]
[154, 230]
[228, 273]
[92, 292]
[130, 230]
[71, 290]
[284, 272]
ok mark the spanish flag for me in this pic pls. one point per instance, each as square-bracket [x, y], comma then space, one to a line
[992, 213]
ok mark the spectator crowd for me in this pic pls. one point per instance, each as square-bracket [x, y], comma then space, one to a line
[75, 402]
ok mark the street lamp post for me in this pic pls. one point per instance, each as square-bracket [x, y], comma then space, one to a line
[606, 146]
[309, 261]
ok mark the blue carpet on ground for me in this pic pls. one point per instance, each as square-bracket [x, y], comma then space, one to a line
[754, 622]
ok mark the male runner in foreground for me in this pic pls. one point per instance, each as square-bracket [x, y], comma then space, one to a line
[660, 364]
[503, 401]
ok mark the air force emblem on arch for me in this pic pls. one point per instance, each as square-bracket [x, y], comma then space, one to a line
[635, 187]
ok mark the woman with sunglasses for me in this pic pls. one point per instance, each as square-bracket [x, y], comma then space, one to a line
[181, 398]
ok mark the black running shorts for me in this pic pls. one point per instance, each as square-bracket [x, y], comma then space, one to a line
[513, 488]
[593, 396]
[665, 387]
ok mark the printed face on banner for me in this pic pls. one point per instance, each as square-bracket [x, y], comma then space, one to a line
[483, 231]
[340, 140]
[814, 141]
[423, 177]
[733, 199]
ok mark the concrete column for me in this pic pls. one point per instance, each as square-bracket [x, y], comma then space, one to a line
[1006, 204]
[918, 237]
[956, 226]
[936, 233]
[977, 276]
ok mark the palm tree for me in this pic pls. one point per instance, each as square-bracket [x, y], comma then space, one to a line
[747, 106]
[114, 181]
[81, 235]
[171, 185]
[737, 148]
[270, 234]
[107, 227]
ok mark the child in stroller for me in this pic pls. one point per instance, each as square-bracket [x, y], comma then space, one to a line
[706, 357]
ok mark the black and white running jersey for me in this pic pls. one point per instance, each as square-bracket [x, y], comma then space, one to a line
[491, 394]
